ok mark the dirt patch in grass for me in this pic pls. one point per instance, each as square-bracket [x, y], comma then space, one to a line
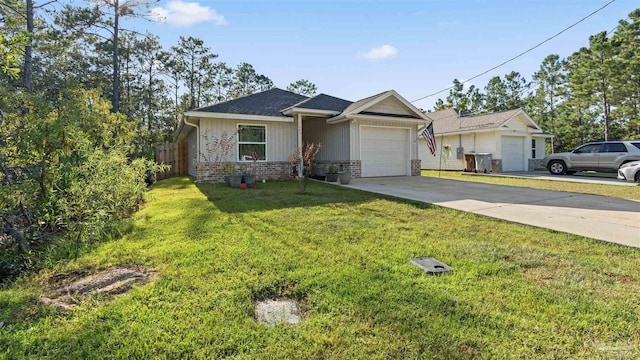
[66, 290]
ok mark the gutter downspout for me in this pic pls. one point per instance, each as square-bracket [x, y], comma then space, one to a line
[197, 141]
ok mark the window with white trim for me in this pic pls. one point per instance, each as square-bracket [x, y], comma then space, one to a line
[533, 148]
[252, 142]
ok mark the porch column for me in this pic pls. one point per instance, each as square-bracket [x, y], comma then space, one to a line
[301, 164]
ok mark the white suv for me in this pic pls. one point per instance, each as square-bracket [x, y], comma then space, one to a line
[603, 156]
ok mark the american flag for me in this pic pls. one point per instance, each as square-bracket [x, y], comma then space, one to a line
[427, 133]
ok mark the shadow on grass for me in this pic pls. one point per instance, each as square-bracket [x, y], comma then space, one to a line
[279, 195]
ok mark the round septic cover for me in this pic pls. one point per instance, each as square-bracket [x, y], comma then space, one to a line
[272, 312]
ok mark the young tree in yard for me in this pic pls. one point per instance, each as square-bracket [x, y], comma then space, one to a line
[303, 87]
[304, 156]
[216, 152]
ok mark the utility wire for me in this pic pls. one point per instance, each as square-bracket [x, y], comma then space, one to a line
[616, 27]
[522, 53]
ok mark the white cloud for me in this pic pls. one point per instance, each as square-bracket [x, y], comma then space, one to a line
[180, 13]
[379, 53]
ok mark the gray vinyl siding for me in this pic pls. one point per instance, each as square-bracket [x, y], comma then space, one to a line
[355, 135]
[191, 152]
[281, 136]
[333, 138]
[390, 106]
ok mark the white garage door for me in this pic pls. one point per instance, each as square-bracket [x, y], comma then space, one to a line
[384, 151]
[512, 153]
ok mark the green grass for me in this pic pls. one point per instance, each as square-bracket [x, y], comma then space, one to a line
[624, 192]
[516, 291]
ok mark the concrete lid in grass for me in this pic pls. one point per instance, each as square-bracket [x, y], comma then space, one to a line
[273, 312]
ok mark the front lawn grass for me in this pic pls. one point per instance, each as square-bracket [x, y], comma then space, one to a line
[624, 192]
[515, 292]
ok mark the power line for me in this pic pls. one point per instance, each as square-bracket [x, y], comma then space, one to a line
[616, 27]
[522, 53]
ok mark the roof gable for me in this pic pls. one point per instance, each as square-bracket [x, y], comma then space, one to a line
[388, 103]
[524, 120]
[266, 103]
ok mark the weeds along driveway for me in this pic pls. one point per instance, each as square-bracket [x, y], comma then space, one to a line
[598, 217]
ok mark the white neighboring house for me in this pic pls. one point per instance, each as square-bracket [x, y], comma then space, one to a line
[514, 140]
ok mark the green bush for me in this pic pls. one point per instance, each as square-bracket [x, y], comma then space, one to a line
[66, 179]
[104, 189]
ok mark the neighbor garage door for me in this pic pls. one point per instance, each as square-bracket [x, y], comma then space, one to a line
[512, 153]
[384, 151]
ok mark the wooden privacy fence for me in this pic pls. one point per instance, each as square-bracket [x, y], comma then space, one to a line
[174, 155]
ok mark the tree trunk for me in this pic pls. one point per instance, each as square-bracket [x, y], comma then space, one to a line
[28, 50]
[605, 105]
[176, 94]
[115, 100]
[192, 89]
[149, 95]
[127, 60]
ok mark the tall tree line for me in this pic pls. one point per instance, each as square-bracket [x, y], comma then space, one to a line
[593, 94]
[87, 44]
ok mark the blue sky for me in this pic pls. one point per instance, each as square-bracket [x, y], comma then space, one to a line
[356, 48]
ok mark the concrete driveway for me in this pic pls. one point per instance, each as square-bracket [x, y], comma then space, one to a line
[598, 217]
[586, 178]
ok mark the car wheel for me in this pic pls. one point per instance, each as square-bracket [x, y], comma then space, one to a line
[557, 167]
[637, 177]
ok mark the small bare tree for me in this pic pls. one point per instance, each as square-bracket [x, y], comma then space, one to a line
[304, 155]
[216, 152]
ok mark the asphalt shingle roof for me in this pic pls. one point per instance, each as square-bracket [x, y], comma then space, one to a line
[267, 103]
[324, 102]
[361, 102]
[446, 121]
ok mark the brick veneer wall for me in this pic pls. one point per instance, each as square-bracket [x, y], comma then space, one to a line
[415, 167]
[355, 166]
[280, 170]
[535, 164]
[273, 170]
